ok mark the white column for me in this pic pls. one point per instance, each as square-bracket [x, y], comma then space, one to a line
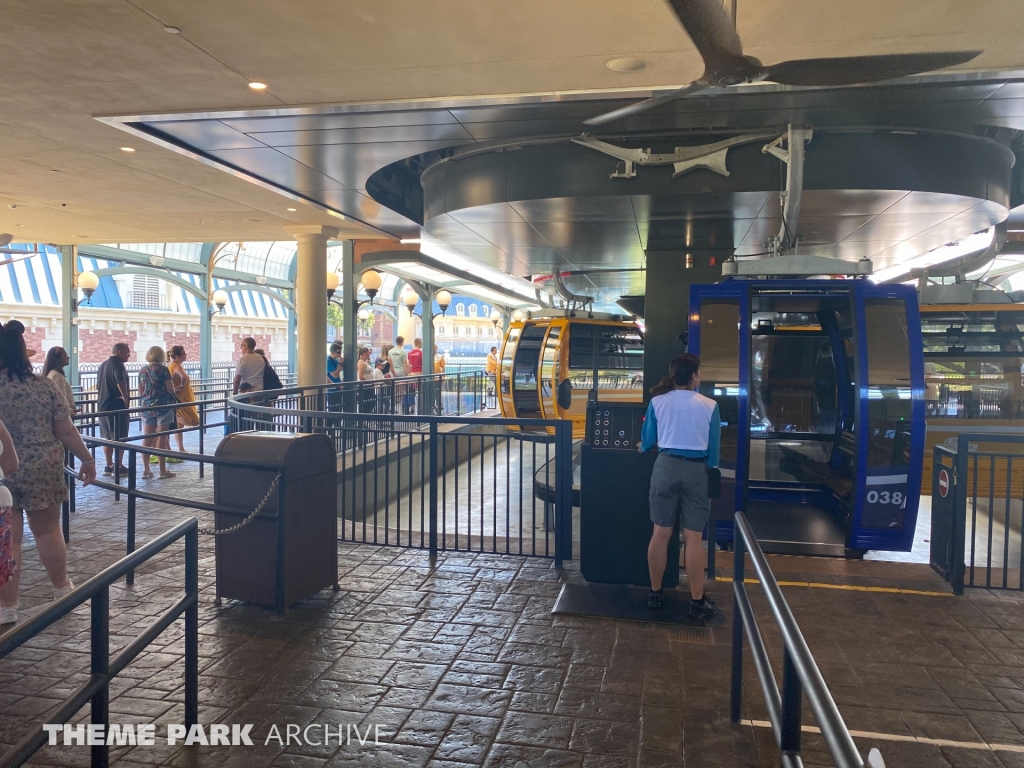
[311, 302]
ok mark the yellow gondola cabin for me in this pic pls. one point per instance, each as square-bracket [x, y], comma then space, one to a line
[547, 366]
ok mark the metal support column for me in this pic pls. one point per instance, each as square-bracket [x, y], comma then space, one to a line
[205, 330]
[311, 302]
[427, 394]
[205, 318]
[69, 308]
[293, 346]
[350, 298]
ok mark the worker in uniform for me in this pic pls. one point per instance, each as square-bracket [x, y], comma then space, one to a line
[686, 428]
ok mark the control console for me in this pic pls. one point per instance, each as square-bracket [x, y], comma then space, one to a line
[614, 427]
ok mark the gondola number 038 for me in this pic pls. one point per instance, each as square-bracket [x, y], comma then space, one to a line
[884, 497]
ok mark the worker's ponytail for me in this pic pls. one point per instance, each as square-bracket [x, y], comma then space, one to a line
[680, 371]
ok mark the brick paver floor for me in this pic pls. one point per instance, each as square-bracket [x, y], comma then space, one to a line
[461, 663]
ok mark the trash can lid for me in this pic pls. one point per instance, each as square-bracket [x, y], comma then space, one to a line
[301, 454]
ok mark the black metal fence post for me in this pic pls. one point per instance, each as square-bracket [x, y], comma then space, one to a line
[434, 437]
[736, 689]
[192, 627]
[71, 497]
[956, 579]
[65, 507]
[100, 667]
[563, 492]
[281, 528]
[202, 433]
[132, 462]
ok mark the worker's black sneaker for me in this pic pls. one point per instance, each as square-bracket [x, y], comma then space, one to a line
[655, 599]
[702, 609]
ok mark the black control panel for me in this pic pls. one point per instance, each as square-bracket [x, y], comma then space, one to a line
[615, 483]
[614, 427]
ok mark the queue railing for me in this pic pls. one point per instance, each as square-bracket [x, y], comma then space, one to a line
[433, 482]
[800, 674]
[133, 492]
[103, 667]
[977, 508]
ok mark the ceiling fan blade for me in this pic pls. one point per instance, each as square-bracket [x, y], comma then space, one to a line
[855, 70]
[645, 105]
[709, 26]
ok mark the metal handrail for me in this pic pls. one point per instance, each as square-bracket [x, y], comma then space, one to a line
[103, 667]
[800, 674]
[376, 426]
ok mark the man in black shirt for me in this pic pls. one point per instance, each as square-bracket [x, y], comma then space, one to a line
[112, 395]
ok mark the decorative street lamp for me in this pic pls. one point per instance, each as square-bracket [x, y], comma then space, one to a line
[444, 300]
[88, 282]
[332, 284]
[518, 316]
[220, 298]
[410, 299]
[371, 281]
[495, 318]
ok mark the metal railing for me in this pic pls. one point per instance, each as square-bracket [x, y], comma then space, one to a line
[800, 674]
[103, 668]
[432, 482]
[222, 373]
[133, 493]
[986, 550]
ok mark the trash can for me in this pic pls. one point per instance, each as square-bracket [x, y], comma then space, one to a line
[289, 550]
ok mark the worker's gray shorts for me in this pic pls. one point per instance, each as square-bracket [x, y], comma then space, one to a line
[679, 486]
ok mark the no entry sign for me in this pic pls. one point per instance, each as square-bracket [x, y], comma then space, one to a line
[943, 483]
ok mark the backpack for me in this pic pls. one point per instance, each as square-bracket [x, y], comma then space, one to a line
[270, 377]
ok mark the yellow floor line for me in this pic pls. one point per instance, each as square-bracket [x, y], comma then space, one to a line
[855, 588]
[904, 737]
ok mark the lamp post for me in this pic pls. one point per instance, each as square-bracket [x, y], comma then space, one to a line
[220, 299]
[333, 280]
[518, 316]
[444, 300]
[88, 282]
[371, 281]
[410, 299]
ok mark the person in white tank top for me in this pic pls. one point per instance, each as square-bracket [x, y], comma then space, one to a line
[685, 426]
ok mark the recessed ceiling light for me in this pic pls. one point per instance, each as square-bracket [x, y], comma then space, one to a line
[172, 30]
[200, 222]
[626, 65]
[257, 86]
[292, 209]
[127, 149]
[410, 240]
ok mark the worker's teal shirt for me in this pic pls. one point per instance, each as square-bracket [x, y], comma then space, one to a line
[649, 438]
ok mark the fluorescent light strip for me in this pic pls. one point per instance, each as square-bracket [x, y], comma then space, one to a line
[937, 256]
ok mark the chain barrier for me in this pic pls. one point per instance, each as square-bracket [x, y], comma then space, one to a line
[249, 519]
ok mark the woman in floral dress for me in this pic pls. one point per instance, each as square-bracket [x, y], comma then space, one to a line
[37, 418]
[8, 466]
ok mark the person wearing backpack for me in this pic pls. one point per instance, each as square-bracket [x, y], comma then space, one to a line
[270, 378]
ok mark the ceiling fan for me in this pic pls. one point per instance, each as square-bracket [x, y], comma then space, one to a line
[5, 240]
[714, 35]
